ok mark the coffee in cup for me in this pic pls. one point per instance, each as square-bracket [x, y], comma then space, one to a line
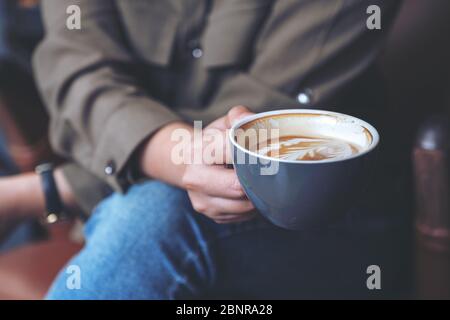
[301, 148]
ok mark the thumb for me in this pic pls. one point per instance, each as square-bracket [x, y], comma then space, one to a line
[237, 113]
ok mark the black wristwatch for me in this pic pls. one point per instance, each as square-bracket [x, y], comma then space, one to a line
[53, 203]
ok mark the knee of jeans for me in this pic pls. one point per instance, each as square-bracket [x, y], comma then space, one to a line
[152, 208]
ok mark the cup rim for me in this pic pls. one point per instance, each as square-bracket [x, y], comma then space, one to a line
[364, 124]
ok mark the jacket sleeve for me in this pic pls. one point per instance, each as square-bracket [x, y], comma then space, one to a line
[306, 52]
[99, 115]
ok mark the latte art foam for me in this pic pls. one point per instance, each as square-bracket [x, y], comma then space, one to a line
[298, 148]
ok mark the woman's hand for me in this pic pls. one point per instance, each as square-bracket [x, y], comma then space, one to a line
[214, 190]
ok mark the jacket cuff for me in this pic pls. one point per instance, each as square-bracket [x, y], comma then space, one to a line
[126, 129]
[87, 189]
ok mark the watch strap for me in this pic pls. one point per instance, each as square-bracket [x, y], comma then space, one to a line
[53, 203]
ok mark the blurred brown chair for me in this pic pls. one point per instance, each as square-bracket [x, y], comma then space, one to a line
[27, 272]
[23, 118]
[432, 180]
[416, 64]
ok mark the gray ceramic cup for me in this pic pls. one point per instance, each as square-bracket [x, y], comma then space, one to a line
[304, 194]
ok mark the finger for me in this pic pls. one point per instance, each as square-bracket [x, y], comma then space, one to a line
[225, 216]
[221, 123]
[237, 113]
[228, 206]
[214, 181]
[217, 149]
[225, 122]
[238, 219]
[221, 209]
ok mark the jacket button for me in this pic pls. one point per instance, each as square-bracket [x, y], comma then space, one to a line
[197, 53]
[305, 97]
[195, 47]
[110, 168]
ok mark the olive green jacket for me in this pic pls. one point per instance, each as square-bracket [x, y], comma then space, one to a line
[136, 65]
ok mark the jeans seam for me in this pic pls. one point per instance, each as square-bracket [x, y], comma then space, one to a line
[204, 248]
[179, 281]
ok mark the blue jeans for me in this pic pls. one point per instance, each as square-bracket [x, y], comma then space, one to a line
[151, 244]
